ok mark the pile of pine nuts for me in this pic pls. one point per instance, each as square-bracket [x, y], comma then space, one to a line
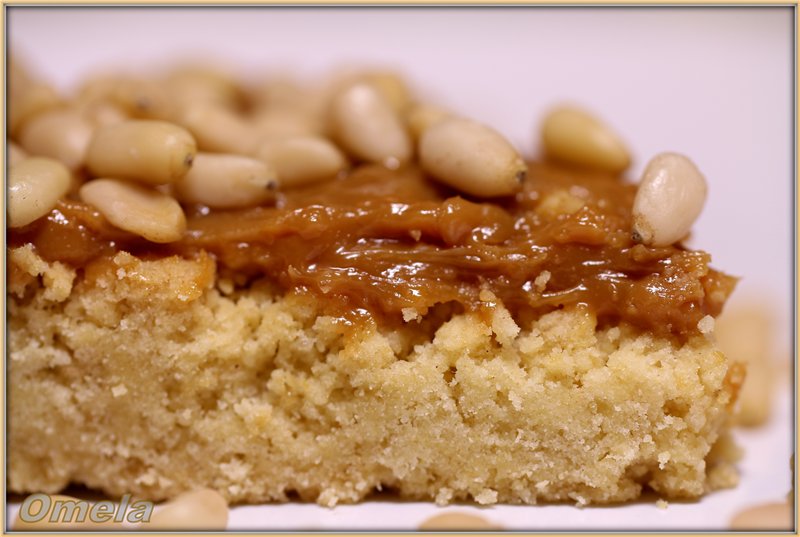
[140, 150]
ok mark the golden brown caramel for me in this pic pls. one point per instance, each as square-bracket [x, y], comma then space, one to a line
[385, 241]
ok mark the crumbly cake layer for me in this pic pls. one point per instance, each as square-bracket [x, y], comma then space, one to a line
[154, 377]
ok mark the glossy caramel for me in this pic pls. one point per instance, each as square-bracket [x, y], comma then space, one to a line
[381, 241]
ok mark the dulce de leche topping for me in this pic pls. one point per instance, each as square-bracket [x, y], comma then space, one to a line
[385, 241]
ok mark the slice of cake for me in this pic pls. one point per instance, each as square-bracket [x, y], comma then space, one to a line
[275, 299]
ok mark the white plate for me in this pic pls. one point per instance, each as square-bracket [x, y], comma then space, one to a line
[714, 83]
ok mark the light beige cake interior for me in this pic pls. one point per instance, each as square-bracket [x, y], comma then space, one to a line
[156, 377]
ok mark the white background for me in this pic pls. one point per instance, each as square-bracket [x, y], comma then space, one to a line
[713, 83]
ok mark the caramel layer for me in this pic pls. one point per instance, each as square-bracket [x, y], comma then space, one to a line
[382, 241]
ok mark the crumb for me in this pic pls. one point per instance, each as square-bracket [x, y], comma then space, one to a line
[706, 325]
[256, 395]
[410, 314]
[541, 280]
[486, 497]
[486, 296]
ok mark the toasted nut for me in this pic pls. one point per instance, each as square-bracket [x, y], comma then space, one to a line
[392, 86]
[472, 158]
[203, 85]
[670, 198]
[140, 210]
[457, 521]
[101, 113]
[34, 187]
[28, 103]
[150, 151]
[745, 333]
[573, 135]
[765, 517]
[15, 154]
[61, 134]
[218, 129]
[66, 512]
[227, 181]
[367, 126]
[145, 99]
[19, 79]
[559, 202]
[283, 93]
[202, 509]
[303, 160]
[423, 116]
[276, 124]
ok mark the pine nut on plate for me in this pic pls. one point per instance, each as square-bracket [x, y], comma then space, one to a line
[150, 151]
[204, 510]
[457, 521]
[765, 517]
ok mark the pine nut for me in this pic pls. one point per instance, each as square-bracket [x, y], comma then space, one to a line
[60, 134]
[138, 209]
[19, 79]
[421, 117]
[457, 521]
[273, 124]
[283, 93]
[765, 517]
[153, 152]
[218, 129]
[392, 86]
[575, 136]
[227, 181]
[303, 160]
[670, 198]
[26, 104]
[280, 91]
[559, 202]
[745, 333]
[472, 158]
[144, 99]
[15, 154]
[102, 113]
[367, 126]
[34, 187]
[203, 85]
[197, 510]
